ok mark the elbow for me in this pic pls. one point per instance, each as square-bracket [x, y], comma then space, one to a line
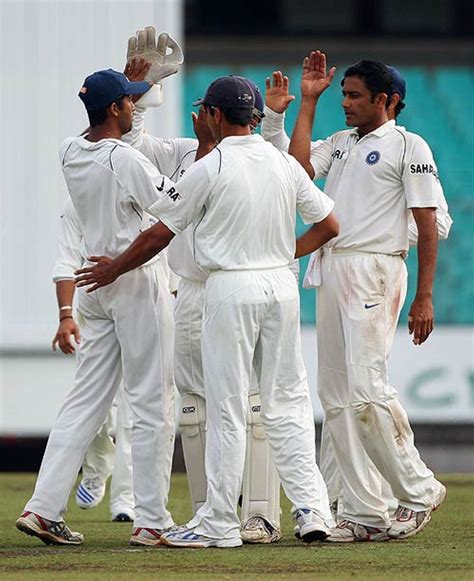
[332, 227]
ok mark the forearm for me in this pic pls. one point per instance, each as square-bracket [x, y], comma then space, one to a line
[273, 129]
[145, 246]
[300, 144]
[427, 253]
[65, 295]
[317, 236]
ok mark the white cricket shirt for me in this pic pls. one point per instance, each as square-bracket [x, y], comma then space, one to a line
[373, 181]
[242, 200]
[110, 185]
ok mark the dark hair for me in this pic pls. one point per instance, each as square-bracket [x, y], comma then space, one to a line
[233, 116]
[99, 116]
[376, 78]
[399, 107]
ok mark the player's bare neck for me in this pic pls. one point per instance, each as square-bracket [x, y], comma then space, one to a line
[366, 129]
[104, 131]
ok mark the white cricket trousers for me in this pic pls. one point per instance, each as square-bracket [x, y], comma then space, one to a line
[110, 453]
[123, 328]
[252, 320]
[358, 306]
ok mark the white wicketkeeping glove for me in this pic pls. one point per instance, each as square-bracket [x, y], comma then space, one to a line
[143, 45]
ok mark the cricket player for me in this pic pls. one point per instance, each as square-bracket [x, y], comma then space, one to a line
[375, 173]
[103, 457]
[111, 185]
[260, 512]
[277, 100]
[242, 199]
[110, 451]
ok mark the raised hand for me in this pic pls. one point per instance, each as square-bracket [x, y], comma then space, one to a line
[136, 69]
[277, 97]
[155, 52]
[315, 79]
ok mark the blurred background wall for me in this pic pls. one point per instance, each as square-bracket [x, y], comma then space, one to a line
[49, 46]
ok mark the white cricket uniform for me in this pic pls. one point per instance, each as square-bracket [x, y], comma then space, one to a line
[242, 199]
[374, 181]
[375, 228]
[104, 457]
[122, 329]
[261, 490]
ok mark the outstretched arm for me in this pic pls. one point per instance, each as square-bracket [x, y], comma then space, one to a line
[314, 82]
[317, 236]
[144, 247]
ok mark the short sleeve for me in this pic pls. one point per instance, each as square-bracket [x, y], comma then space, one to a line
[419, 174]
[184, 202]
[312, 204]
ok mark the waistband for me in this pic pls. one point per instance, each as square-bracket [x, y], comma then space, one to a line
[348, 251]
[213, 273]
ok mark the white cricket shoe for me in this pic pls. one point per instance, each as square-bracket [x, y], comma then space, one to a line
[187, 538]
[90, 492]
[348, 531]
[310, 526]
[408, 523]
[257, 529]
[49, 531]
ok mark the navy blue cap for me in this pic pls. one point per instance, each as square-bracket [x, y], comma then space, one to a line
[398, 82]
[104, 87]
[230, 93]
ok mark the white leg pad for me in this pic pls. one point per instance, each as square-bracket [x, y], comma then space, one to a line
[192, 425]
[261, 485]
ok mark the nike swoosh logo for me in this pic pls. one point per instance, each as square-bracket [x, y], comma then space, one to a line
[371, 306]
[161, 187]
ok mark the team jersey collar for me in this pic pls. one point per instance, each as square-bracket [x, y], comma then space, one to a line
[379, 132]
[241, 139]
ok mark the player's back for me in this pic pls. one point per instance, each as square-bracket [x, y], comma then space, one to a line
[249, 222]
[99, 176]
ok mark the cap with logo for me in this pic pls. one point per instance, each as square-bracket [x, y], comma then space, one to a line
[398, 82]
[104, 87]
[230, 93]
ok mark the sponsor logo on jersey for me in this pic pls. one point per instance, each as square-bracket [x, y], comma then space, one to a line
[417, 168]
[338, 154]
[189, 409]
[371, 306]
[161, 187]
[255, 408]
[173, 194]
[373, 157]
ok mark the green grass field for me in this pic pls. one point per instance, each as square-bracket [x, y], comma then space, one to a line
[444, 550]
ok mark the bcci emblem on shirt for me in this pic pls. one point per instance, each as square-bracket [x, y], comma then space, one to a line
[373, 157]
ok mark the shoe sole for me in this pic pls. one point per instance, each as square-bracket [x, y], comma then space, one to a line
[224, 544]
[426, 521]
[135, 542]
[261, 540]
[48, 538]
